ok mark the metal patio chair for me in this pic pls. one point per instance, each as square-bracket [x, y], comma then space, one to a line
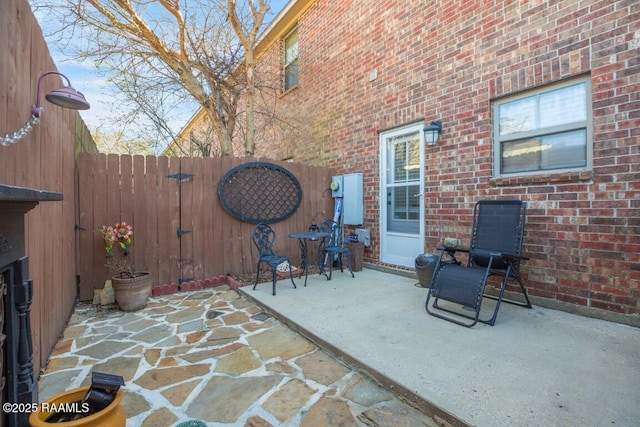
[495, 249]
[264, 237]
[333, 248]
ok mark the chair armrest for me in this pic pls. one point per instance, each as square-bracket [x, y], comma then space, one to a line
[452, 250]
[510, 256]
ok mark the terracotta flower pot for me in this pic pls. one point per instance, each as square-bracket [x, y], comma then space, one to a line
[113, 415]
[132, 293]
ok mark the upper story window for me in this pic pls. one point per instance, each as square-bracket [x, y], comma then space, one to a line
[291, 60]
[547, 130]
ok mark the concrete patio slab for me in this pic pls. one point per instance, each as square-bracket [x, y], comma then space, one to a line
[535, 367]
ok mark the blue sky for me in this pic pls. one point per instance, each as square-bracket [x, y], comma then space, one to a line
[101, 95]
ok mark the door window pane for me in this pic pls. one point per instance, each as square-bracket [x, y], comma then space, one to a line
[400, 203]
[406, 159]
[403, 183]
[404, 209]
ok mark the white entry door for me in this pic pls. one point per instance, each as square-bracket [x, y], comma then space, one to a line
[402, 195]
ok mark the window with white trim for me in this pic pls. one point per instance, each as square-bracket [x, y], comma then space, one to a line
[543, 131]
[291, 60]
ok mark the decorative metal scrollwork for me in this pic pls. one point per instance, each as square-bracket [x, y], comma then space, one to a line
[260, 192]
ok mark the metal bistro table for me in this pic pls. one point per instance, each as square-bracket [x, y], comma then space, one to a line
[303, 239]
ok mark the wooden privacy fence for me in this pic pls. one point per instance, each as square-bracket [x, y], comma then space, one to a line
[181, 231]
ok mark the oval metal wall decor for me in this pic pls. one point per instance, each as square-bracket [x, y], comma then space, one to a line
[260, 192]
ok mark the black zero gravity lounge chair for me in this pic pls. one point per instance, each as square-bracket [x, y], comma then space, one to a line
[264, 237]
[495, 249]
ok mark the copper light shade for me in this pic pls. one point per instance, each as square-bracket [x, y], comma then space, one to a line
[66, 97]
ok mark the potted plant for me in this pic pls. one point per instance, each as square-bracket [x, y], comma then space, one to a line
[132, 288]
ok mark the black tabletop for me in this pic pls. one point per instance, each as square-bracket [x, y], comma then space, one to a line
[311, 235]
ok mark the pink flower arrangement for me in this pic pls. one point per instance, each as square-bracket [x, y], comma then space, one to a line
[118, 236]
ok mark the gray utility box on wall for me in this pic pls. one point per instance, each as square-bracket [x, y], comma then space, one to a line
[364, 236]
[353, 199]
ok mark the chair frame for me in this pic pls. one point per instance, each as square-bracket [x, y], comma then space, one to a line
[333, 245]
[264, 238]
[486, 262]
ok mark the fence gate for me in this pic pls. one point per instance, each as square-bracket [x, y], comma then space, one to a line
[181, 231]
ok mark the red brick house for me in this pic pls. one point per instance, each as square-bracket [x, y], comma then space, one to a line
[538, 100]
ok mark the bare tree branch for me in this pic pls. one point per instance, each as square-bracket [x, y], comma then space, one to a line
[248, 40]
[183, 47]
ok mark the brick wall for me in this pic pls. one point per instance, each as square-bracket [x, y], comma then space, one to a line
[448, 60]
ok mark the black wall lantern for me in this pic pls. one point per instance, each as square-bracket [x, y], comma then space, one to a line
[432, 132]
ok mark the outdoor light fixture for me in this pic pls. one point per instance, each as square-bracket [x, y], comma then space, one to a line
[432, 132]
[66, 97]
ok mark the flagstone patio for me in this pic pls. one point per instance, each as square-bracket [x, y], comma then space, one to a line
[214, 356]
